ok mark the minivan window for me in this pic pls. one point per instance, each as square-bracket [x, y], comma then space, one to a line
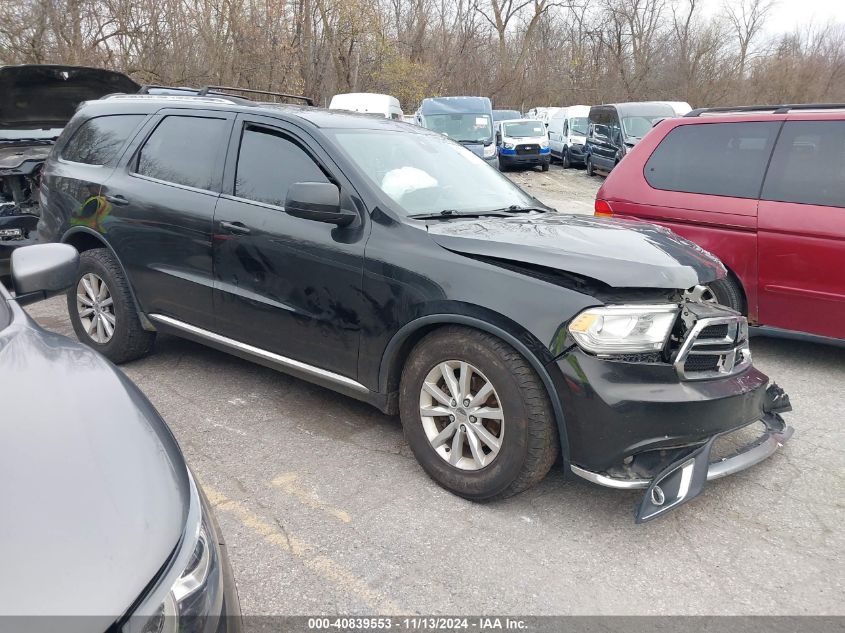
[426, 173]
[184, 150]
[721, 159]
[808, 165]
[97, 141]
[461, 127]
[269, 163]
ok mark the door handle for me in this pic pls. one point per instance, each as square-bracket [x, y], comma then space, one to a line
[238, 228]
[118, 200]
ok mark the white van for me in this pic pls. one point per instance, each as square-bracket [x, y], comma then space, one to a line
[568, 134]
[680, 107]
[368, 103]
[522, 142]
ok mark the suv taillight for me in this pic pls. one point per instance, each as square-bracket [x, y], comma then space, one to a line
[603, 209]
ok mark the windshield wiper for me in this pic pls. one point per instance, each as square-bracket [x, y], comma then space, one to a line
[452, 213]
[515, 208]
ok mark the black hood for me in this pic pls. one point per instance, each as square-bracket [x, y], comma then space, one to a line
[619, 253]
[96, 488]
[46, 96]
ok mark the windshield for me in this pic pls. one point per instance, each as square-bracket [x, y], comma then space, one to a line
[477, 128]
[523, 129]
[424, 173]
[639, 126]
[578, 125]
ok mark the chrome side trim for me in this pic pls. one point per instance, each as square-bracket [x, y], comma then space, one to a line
[257, 352]
[763, 448]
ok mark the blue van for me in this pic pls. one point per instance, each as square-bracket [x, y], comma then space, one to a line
[466, 120]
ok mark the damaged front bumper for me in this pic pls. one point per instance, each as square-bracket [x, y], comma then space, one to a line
[679, 475]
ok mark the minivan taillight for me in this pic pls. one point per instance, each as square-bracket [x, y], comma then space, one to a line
[603, 209]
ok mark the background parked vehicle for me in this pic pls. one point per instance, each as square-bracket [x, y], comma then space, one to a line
[761, 188]
[368, 102]
[104, 496]
[615, 128]
[568, 134]
[504, 115]
[467, 120]
[522, 142]
[431, 286]
[681, 108]
[36, 101]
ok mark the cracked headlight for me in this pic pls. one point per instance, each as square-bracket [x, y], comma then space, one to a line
[189, 595]
[489, 151]
[623, 329]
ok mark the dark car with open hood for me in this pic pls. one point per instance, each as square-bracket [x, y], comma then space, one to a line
[36, 101]
[105, 528]
[391, 264]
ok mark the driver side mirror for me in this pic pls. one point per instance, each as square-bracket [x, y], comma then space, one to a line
[318, 201]
[41, 271]
[498, 137]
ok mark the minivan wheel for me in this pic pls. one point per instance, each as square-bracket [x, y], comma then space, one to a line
[102, 311]
[476, 415]
[590, 170]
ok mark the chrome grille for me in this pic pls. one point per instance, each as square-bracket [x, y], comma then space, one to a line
[714, 348]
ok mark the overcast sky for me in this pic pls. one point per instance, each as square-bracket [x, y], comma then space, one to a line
[788, 14]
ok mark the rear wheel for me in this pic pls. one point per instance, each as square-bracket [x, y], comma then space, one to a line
[476, 415]
[102, 310]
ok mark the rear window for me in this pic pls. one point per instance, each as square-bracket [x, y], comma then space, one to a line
[184, 150]
[720, 159]
[808, 165]
[97, 141]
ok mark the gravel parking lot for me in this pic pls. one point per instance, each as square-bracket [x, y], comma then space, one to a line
[325, 510]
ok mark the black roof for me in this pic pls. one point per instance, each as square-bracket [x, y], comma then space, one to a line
[317, 117]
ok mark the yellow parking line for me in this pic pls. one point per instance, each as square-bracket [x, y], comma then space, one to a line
[324, 566]
[287, 483]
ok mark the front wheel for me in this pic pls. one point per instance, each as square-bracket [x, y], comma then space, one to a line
[590, 170]
[566, 160]
[726, 292]
[544, 167]
[503, 166]
[102, 310]
[476, 415]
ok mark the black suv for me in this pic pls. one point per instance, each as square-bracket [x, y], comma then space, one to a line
[389, 263]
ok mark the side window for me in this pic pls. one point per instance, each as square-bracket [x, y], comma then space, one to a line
[808, 165]
[615, 129]
[720, 159]
[184, 150]
[97, 141]
[269, 163]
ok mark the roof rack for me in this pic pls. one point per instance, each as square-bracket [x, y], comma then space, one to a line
[776, 109]
[216, 90]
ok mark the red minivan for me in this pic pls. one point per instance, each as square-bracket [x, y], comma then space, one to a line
[762, 188]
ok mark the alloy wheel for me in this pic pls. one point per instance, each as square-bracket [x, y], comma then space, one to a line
[95, 306]
[462, 415]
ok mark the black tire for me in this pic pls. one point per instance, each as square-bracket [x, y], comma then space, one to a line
[565, 160]
[590, 170]
[728, 292]
[544, 166]
[529, 443]
[503, 166]
[129, 340]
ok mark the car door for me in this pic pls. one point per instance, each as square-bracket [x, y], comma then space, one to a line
[163, 200]
[287, 285]
[801, 230]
